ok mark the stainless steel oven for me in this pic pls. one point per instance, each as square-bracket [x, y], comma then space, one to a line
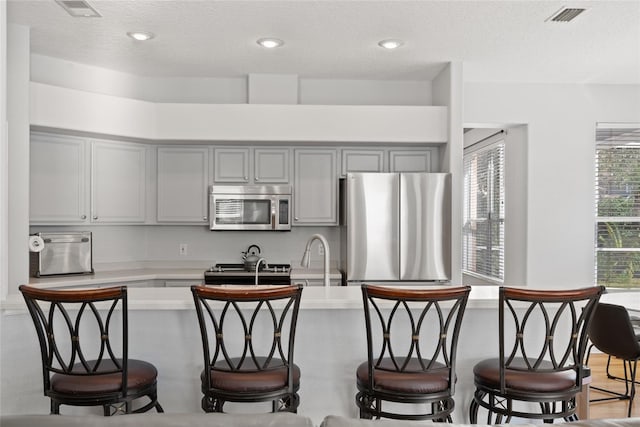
[250, 207]
[237, 274]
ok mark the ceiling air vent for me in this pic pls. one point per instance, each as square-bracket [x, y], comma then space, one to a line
[78, 8]
[565, 14]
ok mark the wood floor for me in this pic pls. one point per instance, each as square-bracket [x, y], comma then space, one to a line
[612, 408]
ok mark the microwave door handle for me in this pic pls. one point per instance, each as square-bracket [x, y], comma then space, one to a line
[66, 240]
[273, 215]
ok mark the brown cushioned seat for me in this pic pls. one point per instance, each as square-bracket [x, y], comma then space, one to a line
[487, 374]
[251, 379]
[140, 374]
[412, 380]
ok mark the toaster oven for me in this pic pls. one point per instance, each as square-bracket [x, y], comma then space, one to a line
[63, 253]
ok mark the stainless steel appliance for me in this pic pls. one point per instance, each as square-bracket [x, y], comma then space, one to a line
[63, 253]
[237, 274]
[250, 207]
[398, 226]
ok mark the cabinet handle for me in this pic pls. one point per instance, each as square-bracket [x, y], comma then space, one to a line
[256, 179]
[204, 217]
[83, 217]
[95, 217]
[295, 218]
[246, 178]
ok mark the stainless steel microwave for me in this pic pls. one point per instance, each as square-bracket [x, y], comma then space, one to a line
[250, 207]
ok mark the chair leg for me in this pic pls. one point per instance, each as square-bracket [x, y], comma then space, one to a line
[364, 402]
[54, 407]
[473, 411]
[632, 394]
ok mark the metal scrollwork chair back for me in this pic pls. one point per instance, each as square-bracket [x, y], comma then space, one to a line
[248, 336]
[412, 337]
[539, 368]
[83, 337]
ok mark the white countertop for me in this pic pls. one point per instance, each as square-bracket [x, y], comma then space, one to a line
[180, 298]
[118, 277]
[313, 297]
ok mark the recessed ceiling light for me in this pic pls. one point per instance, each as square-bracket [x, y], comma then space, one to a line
[270, 42]
[140, 35]
[390, 43]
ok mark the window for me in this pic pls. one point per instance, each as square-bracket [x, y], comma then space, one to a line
[617, 196]
[483, 228]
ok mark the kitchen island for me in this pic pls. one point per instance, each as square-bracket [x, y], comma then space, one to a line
[163, 329]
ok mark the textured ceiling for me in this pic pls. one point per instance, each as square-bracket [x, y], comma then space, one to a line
[496, 40]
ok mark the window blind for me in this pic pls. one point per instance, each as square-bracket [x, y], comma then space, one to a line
[483, 227]
[617, 195]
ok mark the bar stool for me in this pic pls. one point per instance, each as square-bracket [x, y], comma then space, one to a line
[257, 365]
[83, 363]
[542, 341]
[423, 372]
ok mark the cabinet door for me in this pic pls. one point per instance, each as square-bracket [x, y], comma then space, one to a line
[231, 165]
[362, 161]
[271, 165]
[411, 160]
[183, 180]
[315, 188]
[118, 173]
[58, 180]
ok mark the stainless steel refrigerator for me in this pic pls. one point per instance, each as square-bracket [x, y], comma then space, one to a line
[398, 226]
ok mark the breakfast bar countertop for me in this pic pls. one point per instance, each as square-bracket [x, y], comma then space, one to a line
[179, 298]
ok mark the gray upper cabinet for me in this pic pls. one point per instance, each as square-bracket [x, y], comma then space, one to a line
[362, 161]
[247, 165]
[59, 176]
[315, 187]
[183, 180]
[118, 182]
[271, 165]
[423, 160]
[231, 165]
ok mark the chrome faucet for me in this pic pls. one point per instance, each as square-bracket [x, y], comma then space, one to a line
[258, 267]
[307, 255]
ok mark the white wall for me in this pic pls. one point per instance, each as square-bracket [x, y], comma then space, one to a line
[561, 122]
[18, 151]
[4, 155]
[447, 90]
[58, 72]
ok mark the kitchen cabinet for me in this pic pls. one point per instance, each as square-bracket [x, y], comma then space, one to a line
[423, 160]
[315, 187]
[362, 161]
[183, 181]
[61, 168]
[231, 165]
[251, 165]
[271, 165]
[59, 191]
[118, 182]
